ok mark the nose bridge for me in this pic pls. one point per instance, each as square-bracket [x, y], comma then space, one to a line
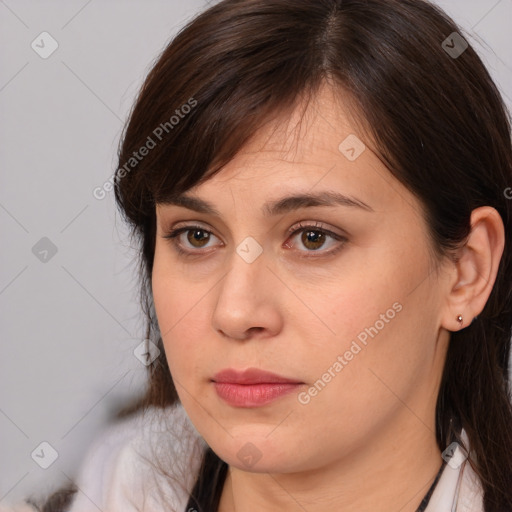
[244, 300]
[247, 264]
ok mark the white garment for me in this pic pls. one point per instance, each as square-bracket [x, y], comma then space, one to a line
[116, 477]
[459, 488]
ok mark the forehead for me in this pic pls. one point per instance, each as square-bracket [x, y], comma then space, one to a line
[312, 130]
[314, 149]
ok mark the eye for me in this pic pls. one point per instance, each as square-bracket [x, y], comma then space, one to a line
[196, 236]
[313, 237]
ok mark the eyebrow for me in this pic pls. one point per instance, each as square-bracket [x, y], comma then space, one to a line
[276, 207]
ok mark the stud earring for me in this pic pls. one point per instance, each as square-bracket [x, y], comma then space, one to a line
[459, 319]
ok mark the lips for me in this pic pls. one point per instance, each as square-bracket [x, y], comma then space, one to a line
[251, 376]
[252, 387]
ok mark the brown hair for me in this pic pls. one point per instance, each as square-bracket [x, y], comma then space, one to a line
[437, 120]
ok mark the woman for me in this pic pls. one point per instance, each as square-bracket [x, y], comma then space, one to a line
[321, 193]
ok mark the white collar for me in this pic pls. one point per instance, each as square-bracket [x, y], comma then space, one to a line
[459, 489]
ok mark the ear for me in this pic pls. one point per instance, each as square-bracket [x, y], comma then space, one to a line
[473, 272]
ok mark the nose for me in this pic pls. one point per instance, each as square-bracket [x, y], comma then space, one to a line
[248, 297]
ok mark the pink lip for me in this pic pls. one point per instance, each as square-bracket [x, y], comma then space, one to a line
[252, 387]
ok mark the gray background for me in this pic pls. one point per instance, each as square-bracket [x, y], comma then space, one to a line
[70, 320]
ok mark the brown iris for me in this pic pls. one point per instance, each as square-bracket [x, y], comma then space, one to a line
[194, 235]
[314, 237]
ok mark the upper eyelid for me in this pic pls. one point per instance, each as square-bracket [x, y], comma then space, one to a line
[295, 227]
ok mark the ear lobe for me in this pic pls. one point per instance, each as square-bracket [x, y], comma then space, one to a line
[476, 266]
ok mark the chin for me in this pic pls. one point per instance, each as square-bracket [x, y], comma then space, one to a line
[260, 454]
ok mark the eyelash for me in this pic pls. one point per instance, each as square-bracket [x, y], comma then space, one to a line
[172, 235]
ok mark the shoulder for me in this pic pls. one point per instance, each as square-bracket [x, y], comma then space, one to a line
[150, 458]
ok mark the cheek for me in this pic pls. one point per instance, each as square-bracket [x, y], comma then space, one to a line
[176, 299]
[349, 298]
[378, 327]
[351, 308]
[382, 366]
[181, 317]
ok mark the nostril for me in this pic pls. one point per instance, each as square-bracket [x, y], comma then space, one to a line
[257, 329]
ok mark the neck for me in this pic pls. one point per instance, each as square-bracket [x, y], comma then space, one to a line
[393, 472]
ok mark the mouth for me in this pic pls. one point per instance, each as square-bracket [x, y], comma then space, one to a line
[252, 387]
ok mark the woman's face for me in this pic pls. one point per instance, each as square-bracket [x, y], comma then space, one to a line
[349, 309]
